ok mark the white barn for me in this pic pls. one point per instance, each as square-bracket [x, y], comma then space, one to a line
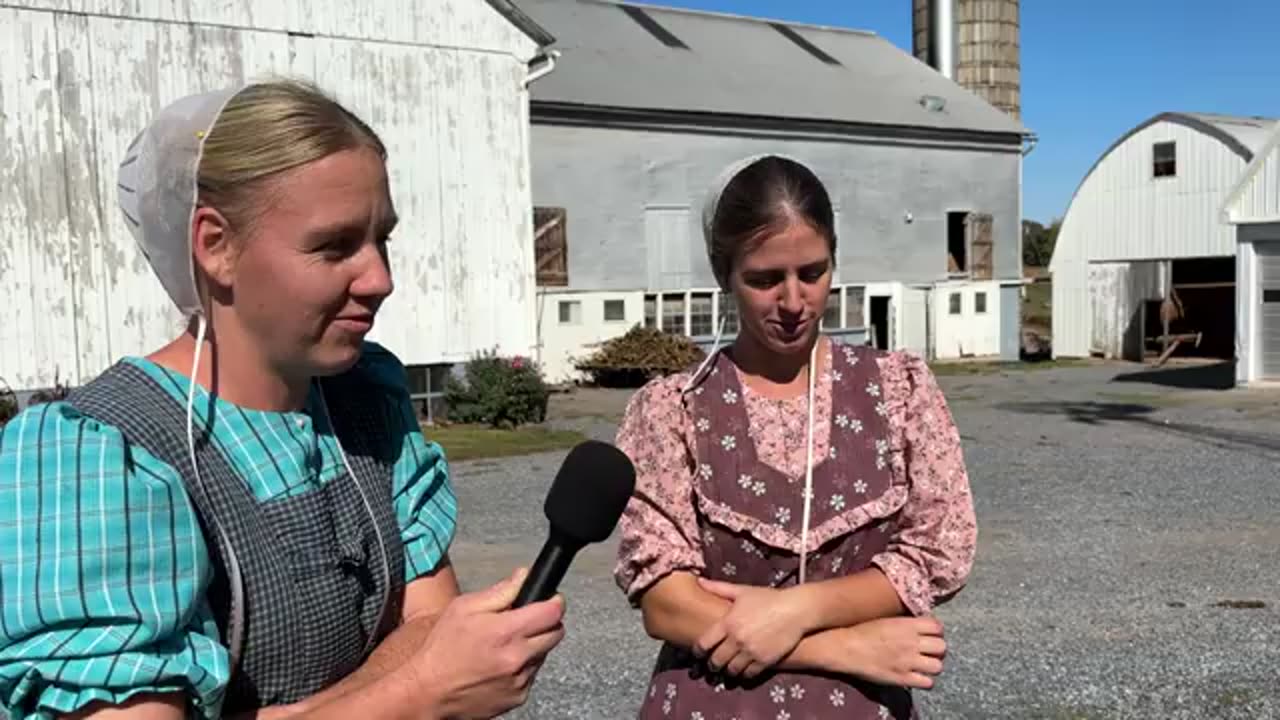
[1253, 210]
[1145, 222]
[444, 83]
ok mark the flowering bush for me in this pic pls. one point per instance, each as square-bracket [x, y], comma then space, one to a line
[498, 391]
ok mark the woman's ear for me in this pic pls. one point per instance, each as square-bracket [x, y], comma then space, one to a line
[212, 247]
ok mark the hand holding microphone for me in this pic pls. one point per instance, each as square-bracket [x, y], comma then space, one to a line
[485, 650]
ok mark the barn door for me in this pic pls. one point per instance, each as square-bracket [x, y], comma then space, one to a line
[667, 243]
[979, 229]
[551, 247]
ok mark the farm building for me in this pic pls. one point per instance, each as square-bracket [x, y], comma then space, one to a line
[1143, 242]
[648, 105]
[444, 83]
[1253, 210]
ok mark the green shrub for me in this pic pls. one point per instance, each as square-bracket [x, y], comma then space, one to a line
[498, 391]
[640, 355]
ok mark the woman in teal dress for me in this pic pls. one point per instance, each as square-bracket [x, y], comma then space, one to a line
[249, 519]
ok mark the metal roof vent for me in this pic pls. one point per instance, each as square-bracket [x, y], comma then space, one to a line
[933, 103]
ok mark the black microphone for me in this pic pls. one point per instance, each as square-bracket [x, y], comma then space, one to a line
[584, 504]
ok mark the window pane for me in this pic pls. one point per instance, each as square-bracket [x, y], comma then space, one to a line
[418, 378]
[650, 311]
[729, 312]
[831, 316]
[570, 312]
[1164, 159]
[980, 303]
[955, 303]
[615, 311]
[853, 307]
[438, 375]
[701, 321]
[673, 314]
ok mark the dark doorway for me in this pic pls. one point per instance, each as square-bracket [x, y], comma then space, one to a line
[957, 242]
[880, 321]
[1205, 291]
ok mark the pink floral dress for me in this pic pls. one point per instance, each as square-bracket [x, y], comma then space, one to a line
[719, 485]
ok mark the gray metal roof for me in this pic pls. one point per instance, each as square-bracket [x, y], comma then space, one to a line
[1250, 132]
[525, 23]
[643, 57]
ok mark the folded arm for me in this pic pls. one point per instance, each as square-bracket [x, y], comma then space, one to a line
[678, 611]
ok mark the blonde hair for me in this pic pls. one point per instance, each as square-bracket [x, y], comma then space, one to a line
[266, 129]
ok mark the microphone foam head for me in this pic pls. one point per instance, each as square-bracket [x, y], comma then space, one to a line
[590, 491]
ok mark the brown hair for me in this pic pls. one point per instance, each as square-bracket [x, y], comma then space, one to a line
[767, 196]
[268, 128]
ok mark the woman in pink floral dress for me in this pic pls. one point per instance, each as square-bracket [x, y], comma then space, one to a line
[772, 607]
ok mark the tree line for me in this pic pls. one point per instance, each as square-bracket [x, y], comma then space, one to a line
[1038, 241]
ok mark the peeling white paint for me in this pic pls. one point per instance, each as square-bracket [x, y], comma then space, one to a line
[467, 24]
[441, 83]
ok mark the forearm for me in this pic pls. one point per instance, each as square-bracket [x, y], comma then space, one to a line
[399, 695]
[850, 600]
[678, 611]
[391, 654]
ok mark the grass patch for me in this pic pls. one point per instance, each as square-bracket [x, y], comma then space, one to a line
[979, 367]
[473, 442]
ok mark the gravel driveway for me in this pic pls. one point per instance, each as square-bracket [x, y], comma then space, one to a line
[1128, 533]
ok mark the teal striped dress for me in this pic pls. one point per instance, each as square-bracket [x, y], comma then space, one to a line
[103, 569]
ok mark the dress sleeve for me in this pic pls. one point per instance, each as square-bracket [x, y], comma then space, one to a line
[929, 557]
[103, 573]
[422, 493]
[659, 528]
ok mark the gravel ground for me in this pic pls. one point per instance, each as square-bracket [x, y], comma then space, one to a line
[1117, 517]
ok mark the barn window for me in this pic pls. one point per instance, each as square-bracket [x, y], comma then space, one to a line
[673, 318]
[427, 387]
[550, 247]
[615, 311]
[1164, 159]
[955, 303]
[831, 316]
[853, 313]
[980, 303]
[701, 319]
[970, 238]
[570, 312]
[728, 313]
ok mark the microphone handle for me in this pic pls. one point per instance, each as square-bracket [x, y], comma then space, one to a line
[547, 571]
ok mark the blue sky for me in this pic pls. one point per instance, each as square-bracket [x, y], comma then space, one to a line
[1092, 69]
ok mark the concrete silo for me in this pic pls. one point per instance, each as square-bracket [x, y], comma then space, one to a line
[975, 43]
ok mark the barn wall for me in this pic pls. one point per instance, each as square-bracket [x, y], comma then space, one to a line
[642, 228]
[75, 293]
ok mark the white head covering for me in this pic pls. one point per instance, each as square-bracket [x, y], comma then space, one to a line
[156, 189]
